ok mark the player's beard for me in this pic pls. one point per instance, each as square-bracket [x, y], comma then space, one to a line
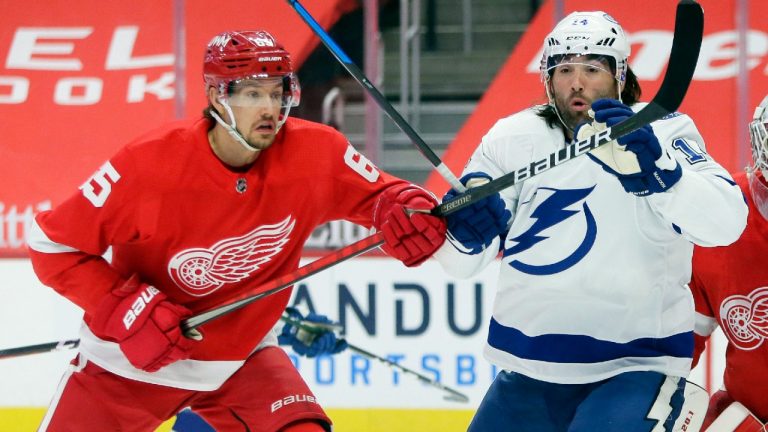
[260, 141]
[572, 118]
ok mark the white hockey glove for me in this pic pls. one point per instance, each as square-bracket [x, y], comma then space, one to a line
[638, 160]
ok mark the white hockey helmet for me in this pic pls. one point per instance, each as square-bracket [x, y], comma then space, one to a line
[586, 33]
[758, 138]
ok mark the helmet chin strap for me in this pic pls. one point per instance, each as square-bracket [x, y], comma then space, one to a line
[232, 128]
[552, 103]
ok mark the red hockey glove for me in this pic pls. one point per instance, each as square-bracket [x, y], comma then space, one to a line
[409, 238]
[145, 324]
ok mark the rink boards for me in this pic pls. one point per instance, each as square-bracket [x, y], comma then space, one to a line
[420, 317]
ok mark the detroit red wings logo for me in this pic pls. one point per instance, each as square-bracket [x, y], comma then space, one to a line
[745, 318]
[201, 271]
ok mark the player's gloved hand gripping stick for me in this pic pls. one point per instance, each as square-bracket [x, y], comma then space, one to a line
[689, 27]
[324, 328]
[311, 335]
[638, 160]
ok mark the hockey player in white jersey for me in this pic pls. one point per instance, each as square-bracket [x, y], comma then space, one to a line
[592, 323]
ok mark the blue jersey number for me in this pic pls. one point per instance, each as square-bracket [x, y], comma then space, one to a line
[693, 154]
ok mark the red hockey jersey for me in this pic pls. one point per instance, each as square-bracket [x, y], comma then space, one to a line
[730, 288]
[167, 208]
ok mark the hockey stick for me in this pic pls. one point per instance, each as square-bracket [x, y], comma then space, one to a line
[286, 281]
[74, 343]
[40, 348]
[686, 43]
[689, 25]
[453, 395]
[358, 75]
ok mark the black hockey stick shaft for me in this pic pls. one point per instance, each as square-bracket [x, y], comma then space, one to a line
[360, 77]
[453, 395]
[686, 43]
[39, 348]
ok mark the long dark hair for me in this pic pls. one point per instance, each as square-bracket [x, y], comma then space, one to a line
[630, 96]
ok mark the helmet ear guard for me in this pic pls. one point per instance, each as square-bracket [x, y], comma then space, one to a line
[594, 36]
[234, 56]
[586, 34]
[239, 55]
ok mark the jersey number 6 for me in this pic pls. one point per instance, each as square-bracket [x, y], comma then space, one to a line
[360, 164]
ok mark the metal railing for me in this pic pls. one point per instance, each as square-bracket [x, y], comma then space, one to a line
[410, 61]
[333, 109]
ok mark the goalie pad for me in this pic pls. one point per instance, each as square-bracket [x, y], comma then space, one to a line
[694, 409]
[736, 418]
[612, 154]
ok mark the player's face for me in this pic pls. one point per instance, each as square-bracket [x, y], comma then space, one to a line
[578, 82]
[256, 105]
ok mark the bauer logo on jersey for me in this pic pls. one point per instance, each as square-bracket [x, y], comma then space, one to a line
[546, 216]
[745, 318]
[201, 271]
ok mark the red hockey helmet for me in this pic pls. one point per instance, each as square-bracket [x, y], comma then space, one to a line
[237, 55]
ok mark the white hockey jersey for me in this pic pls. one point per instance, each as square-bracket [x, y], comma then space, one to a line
[593, 279]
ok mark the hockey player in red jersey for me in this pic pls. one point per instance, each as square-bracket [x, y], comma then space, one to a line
[730, 288]
[194, 214]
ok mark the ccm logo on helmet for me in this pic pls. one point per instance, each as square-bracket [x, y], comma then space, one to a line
[276, 405]
[139, 305]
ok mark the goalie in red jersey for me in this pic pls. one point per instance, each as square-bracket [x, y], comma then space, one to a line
[730, 288]
[192, 215]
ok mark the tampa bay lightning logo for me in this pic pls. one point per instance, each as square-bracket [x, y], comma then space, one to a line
[549, 213]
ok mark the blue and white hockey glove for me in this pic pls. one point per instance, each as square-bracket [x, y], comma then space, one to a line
[639, 162]
[310, 342]
[476, 225]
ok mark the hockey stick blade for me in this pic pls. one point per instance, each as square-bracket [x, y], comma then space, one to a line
[686, 43]
[314, 327]
[286, 281]
[39, 348]
[358, 75]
